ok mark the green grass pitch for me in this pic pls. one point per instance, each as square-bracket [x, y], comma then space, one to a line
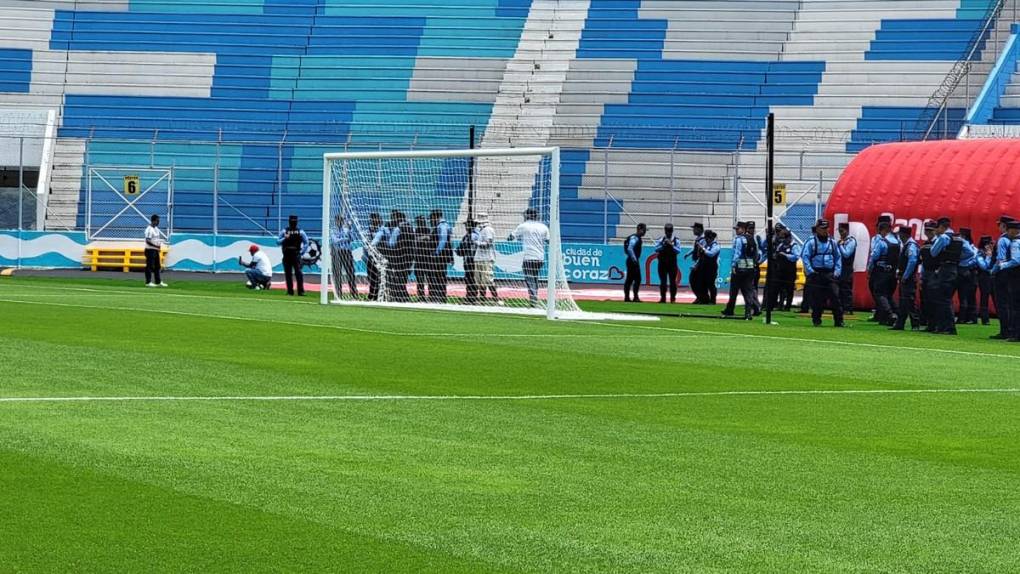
[711, 446]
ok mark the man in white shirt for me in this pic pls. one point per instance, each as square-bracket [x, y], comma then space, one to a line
[153, 247]
[533, 235]
[485, 257]
[260, 269]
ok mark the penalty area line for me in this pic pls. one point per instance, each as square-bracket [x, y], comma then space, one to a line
[506, 398]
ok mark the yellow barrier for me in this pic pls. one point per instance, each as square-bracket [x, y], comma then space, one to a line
[124, 256]
[801, 278]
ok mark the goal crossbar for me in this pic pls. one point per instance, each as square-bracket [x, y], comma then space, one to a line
[425, 154]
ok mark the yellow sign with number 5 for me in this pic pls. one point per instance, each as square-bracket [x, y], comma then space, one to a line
[778, 194]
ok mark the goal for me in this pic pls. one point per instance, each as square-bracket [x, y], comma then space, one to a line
[474, 230]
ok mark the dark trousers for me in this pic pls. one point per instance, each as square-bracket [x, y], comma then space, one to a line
[908, 305]
[152, 267]
[396, 282]
[806, 297]
[986, 288]
[742, 282]
[1003, 304]
[882, 284]
[755, 284]
[945, 280]
[1013, 277]
[292, 271]
[531, 270]
[470, 286]
[709, 274]
[846, 291]
[343, 268]
[373, 279]
[781, 291]
[824, 291]
[966, 291]
[437, 280]
[697, 286]
[633, 281]
[928, 297]
[257, 279]
[667, 279]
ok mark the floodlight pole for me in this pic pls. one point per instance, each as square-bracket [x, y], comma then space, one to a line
[769, 229]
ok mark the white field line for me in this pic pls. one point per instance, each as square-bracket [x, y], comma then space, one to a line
[364, 398]
[821, 341]
[674, 330]
[603, 335]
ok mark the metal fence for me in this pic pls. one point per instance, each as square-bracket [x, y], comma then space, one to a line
[250, 187]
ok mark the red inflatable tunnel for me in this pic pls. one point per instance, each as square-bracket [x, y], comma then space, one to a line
[971, 181]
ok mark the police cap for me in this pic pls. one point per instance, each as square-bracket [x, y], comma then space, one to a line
[1005, 219]
[844, 225]
[884, 219]
[822, 224]
[945, 221]
[1013, 225]
[930, 224]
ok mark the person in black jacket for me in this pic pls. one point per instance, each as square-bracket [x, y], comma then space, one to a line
[667, 248]
[294, 244]
[466, 251]
[632, 251]
[442, 255]
[421, 257]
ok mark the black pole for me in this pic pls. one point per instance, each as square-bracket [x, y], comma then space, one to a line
[471, 175]
[769, 232]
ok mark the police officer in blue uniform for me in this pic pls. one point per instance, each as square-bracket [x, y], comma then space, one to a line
[745, 260]
[708, 265]
[906, 279]
[985, 261]
[882, 262]
[947, 249]
[823, 266]
[785, 256]
[928, 285]
[632, 251]
[667, 248]
[1011, 268]
[342, 258]
[966, 281]
[1008, 269]
[1003, 303]
[695, 278]
[848, 252]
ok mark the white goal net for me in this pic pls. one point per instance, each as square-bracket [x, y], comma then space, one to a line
[465, 229]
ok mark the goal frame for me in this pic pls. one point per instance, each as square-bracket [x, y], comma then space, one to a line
[555, 259]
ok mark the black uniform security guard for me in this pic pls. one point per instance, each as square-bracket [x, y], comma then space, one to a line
[632, 251]
[947, 250]
[906, 278]
[294, 243]
[885, 255]
[784, 262]
[848, 251]
[928, 286]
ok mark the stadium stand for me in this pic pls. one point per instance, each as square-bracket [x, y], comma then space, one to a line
[659, 105]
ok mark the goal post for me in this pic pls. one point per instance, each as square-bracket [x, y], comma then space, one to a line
[469, 229]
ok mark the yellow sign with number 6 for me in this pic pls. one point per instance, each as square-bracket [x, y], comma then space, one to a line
[131, 184]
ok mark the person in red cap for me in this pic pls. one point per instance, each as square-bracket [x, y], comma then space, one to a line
[260, 269]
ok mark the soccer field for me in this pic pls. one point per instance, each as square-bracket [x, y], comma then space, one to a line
[243, 431]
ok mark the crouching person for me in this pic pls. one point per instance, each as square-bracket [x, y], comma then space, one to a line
[260, 270]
